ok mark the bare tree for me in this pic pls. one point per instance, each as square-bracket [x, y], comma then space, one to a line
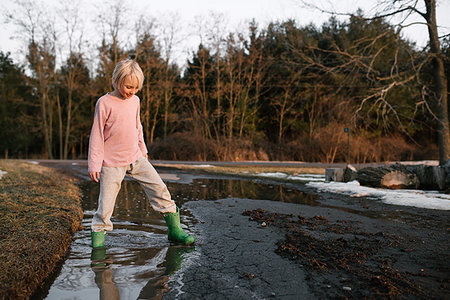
[216, 38]
[169, 38]
[149, 59]
[254, 75]
[73, 40]
[403, 9]
[111, 22]
[39, 34]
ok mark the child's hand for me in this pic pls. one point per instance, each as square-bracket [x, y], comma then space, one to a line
[95, 176]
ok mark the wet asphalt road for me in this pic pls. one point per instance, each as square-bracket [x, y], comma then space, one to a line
[235, 258]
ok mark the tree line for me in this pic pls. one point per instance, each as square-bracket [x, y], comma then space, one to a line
[278, 92]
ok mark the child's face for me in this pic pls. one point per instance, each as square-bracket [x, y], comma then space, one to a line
[129, 87]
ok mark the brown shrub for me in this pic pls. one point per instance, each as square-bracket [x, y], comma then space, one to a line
[328, 145]
[395, 148]
[189, 146]
[183, 146]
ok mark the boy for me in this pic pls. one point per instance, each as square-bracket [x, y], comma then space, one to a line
[117, 147]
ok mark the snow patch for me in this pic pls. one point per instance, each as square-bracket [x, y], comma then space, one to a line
[273, 175]
[299, 177]
[2, 173]
[33, 162]
[420, 162]
[416, 198]
[307, 177]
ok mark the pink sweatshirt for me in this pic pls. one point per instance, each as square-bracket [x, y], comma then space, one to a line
[116, 136]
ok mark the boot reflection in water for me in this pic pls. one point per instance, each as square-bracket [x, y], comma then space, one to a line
[157, 287]
[104, 275]
[174, 258]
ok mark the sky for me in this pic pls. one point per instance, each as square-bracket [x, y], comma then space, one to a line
[236, 14]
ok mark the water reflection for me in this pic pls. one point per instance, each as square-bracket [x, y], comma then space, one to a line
[138, 260]
[214, 189]
[155, 288]
[131, 201]
[104, 275]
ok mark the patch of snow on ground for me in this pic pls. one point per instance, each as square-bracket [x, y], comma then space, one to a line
[299, 177]
[421, 162]
[417, 198]
[307, 177]
[33, 162]
[2, 173]
[273, 175]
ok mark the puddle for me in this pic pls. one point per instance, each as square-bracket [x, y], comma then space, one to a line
[138, 262]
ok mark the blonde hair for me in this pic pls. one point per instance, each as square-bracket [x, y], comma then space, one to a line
[124, 68]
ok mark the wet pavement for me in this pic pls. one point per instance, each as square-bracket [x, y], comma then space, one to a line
[234, 257]
[138, 262]
[237, 258]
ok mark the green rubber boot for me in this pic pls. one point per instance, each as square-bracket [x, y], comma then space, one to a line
[98, 239]
[175, 232]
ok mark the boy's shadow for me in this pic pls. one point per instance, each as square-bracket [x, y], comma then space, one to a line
[155, 287]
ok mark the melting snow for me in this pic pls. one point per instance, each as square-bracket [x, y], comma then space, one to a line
[417, 198]
[2, 173]
[273, 175]
[299, 177]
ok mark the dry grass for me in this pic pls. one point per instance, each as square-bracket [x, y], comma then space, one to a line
[40, 211]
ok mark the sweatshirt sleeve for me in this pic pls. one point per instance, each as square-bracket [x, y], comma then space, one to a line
[142, 145]
[96, 139]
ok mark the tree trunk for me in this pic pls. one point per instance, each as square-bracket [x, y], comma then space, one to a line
[46, 126]
[219, 92]
[388, 177]
[440, 82]
[69, 120]
[58, 102]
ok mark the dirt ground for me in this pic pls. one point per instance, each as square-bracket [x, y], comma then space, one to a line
[343, 257]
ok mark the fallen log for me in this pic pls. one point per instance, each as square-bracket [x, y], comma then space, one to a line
[349, 173]
[393, 177]
[430, 177]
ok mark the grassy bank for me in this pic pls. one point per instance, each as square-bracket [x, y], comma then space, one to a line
[40, 210]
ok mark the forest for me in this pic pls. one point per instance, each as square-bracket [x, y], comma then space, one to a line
[276, 92]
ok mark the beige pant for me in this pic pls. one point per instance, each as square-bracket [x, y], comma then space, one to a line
[110, 182]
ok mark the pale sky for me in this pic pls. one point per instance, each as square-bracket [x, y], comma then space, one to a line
[236, 13]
